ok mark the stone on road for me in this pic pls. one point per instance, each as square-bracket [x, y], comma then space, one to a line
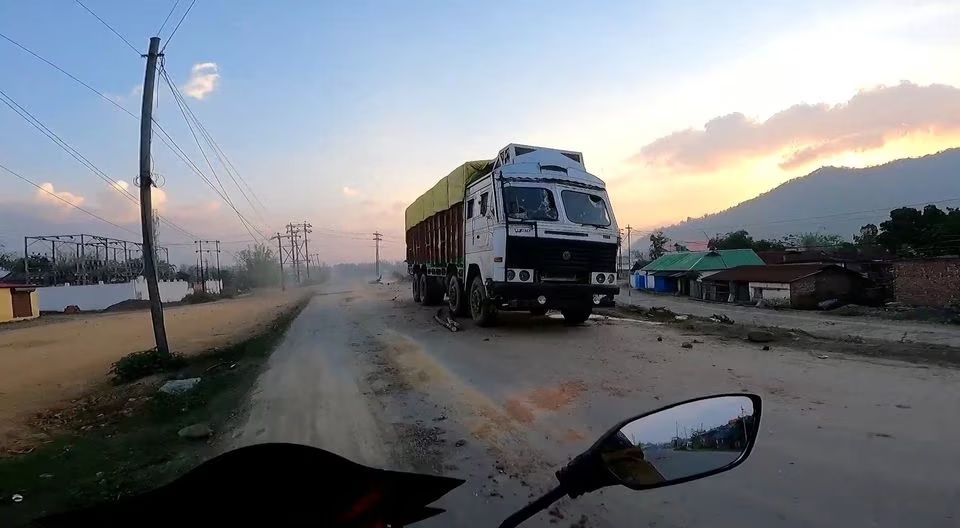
[853, 441]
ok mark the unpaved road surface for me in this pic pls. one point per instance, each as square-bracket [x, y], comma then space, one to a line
[845, 441]
[44, 366]
[816, 323]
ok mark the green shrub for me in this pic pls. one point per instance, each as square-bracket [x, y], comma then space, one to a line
[144, 363]
[199, 297]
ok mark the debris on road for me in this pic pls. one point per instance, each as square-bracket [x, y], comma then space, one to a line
[681, 317]
[18, 498]
[823, 356]
[760, 336]
[446, 320]
[766, 347]
[659, 338]
[686, 344]
[195, 432]
[721, 318]
[460, 443]
[179, 386]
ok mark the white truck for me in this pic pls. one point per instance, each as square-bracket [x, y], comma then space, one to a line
[528, 230]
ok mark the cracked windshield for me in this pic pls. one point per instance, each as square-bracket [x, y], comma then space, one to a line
[542, 263]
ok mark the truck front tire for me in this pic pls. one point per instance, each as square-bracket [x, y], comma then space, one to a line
[482, 311]
[457, 297]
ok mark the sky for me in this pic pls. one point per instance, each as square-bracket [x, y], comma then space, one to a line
[341, 113]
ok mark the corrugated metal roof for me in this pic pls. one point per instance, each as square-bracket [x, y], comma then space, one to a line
[704, 260]
[782, 273]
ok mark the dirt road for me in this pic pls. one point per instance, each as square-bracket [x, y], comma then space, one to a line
[815, 323]
[44, 366]
[844, 440]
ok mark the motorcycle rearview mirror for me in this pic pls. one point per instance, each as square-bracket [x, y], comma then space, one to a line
[676, 444]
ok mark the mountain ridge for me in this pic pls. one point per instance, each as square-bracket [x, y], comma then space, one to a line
[835, 200]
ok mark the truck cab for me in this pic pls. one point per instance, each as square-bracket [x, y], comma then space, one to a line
[539, 233]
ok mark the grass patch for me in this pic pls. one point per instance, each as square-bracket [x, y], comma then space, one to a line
[145, 363]
[127, 442]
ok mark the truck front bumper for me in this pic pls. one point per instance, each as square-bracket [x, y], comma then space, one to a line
[557, 295]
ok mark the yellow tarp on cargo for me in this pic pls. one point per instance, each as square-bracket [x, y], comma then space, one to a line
[446, 193]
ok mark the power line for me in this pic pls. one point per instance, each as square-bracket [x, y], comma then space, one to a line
[64, 200]
[174, 32]
[172, 9]
[218, 152]
[108, 26]
[75, 154]
[246, 223]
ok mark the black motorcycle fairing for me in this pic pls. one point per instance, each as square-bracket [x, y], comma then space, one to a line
[277, 484]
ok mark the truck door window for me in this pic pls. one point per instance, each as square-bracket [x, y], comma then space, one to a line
[483, 203]
[470, 209]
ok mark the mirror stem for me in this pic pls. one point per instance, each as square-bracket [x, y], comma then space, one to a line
[534, 507]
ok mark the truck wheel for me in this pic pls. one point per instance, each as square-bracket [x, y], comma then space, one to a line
[431, 291]
[575, 316]
[456, 297]
[481, 310]
[416, 289]
[424, 290]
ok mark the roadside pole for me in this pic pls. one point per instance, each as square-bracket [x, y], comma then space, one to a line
[146, 208]
[377, 237]
[283, 279]
[629, 260]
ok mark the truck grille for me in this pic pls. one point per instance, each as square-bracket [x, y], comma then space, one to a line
[556, 257]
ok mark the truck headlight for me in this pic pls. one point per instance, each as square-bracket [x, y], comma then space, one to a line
[611, 279]
[524, 275]
[511, 274]
[601, 278]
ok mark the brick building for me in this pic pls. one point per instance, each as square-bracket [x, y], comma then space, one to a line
[927, 282]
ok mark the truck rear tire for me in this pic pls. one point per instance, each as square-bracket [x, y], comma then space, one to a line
[482, 311]
[574, 316]
[417, 296]
[457, 297]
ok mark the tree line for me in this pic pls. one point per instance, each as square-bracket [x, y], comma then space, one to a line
[907, 233]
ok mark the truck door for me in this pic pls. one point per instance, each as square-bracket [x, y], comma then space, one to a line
[480, 220]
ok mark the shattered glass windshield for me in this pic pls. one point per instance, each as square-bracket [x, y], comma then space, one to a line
[584, 208]
[530, 203]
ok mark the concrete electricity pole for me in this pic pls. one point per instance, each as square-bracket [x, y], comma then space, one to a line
[629, 258]
[146, 208]
[283, 279]
[306, 247]
[377, 237]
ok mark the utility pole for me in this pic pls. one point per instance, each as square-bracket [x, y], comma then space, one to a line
[283, 280]
[377, 237]
[306, 247]
[293, 232]
[200, 275]
[219, 276]
[146, 207]
[629, 258]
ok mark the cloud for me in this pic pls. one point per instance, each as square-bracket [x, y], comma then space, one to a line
[805, 133]
[349, 191]
[49, 194]
[204, 78]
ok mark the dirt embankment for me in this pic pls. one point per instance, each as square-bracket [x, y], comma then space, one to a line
[44, 367]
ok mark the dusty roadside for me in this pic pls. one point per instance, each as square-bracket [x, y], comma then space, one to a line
[45, 367]
[820, 345]
[121, 440]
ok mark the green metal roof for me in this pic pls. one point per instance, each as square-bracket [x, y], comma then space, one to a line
[704, 260]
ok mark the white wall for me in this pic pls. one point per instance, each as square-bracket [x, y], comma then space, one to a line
[170, 291]
[100, 296]
[773, 292]
[87, 297]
